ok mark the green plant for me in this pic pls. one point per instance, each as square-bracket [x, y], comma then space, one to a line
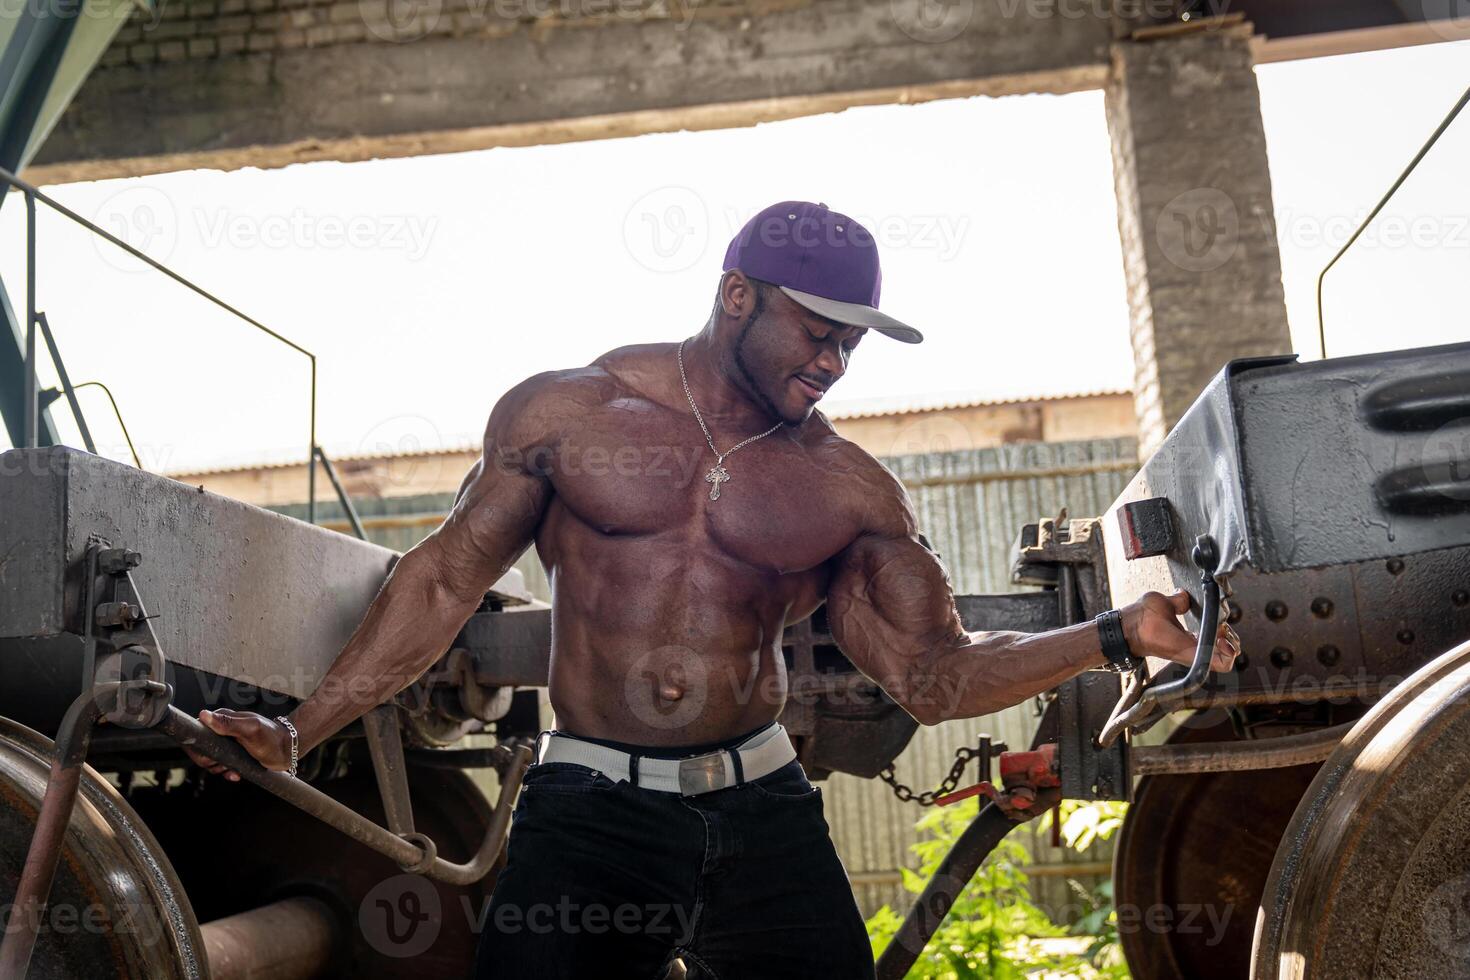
[1082, 824]
[995, 929]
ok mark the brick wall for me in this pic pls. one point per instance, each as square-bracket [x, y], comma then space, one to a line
[180, 30]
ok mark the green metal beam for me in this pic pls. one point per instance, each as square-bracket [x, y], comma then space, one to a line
[46, 51]
[12, 380]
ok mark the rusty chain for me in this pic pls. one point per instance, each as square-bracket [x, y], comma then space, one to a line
[962, 758]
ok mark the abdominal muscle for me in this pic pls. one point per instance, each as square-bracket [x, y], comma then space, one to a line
[651, 660]
[665, 695]
[661, 635]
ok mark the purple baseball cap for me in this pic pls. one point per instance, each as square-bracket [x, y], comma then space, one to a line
[823, 260]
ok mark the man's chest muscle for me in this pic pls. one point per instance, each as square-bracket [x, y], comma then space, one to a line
[775, 508]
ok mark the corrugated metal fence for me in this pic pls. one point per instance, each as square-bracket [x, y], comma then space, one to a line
[970, 504]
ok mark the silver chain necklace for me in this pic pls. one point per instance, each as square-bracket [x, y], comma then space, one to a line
[717, 473]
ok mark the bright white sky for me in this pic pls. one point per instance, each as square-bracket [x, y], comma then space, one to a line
[428, 286]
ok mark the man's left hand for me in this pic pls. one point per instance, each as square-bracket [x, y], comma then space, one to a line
[1153, 630]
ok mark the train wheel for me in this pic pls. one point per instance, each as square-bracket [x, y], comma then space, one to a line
[238, 848]
[1192, 860]
[116, 908]
[1373, 875]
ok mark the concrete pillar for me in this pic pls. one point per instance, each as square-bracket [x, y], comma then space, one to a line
[1194, 214]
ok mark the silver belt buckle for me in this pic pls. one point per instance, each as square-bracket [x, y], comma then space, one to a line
[702, 774]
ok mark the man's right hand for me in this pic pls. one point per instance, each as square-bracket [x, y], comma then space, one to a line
[268, 741]
[1152, 626]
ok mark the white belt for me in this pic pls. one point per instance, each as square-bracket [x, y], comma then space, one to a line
[761, 754]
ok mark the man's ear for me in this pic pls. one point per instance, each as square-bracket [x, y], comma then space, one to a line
[737, 295]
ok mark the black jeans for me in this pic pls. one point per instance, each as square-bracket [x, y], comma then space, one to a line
[605, 880]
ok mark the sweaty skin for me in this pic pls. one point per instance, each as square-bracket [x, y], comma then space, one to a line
[669, 607]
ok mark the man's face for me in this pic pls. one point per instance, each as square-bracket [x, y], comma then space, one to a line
[790, 356]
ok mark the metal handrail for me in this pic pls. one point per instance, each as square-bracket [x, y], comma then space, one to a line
[342, 497]
[68, 390]
[116, 412]
[32, 394]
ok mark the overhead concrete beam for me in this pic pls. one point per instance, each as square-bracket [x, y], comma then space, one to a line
[355, 79]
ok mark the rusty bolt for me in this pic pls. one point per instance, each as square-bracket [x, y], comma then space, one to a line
[1321, 607]
[1276, 610]
[1281, 657]
[1327, 654]
[117, 614]
[1395, 566]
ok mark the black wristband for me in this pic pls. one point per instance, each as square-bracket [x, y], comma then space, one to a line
[1114, 641]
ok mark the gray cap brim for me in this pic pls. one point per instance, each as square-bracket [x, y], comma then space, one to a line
[855, 315]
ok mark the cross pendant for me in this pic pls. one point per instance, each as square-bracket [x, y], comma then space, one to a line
[716, 475]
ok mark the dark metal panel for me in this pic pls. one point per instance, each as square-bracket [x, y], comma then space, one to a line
[511, 648]
[39, 679]
[1408, 611]
[1024, 612]
[1083, 706]
[1309, 632]
[1282, 463]
[852, 733]
[1317, 441]
[1331, 585]
[1298, 632]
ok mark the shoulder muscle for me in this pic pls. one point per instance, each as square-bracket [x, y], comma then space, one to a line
[537, 412]
[882, 507]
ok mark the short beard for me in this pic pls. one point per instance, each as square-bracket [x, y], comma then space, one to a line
[744, 366]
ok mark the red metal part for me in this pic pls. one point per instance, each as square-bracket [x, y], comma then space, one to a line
[964, 794]
[1023, 776]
